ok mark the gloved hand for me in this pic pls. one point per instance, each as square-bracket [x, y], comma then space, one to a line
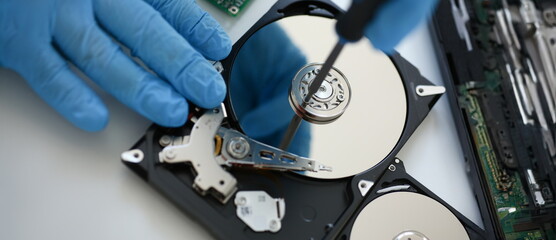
[172, 37]
[259, 87]
[395, 20]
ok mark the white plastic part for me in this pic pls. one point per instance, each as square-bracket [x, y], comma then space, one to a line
[260, 211]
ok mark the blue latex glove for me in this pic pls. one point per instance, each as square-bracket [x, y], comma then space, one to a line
[259, 87]
[172, 37]
[395, 20]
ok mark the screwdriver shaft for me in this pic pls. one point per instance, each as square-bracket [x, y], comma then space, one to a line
[313, 88]
[290, 132]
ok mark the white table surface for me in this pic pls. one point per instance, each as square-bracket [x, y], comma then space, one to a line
[58, 182]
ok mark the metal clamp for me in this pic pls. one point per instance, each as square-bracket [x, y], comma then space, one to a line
[260, 211]
[133, 156]
[198, 150]
[426, 90]
[364, 187]
[328, 103]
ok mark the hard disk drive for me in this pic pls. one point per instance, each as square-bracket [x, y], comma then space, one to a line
[243, 187]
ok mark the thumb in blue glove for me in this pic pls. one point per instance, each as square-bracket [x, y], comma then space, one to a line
[395, 20]
[172, 38]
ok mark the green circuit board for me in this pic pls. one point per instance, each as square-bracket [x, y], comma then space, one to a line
[506, 188]
[231, 7]
[508, 191]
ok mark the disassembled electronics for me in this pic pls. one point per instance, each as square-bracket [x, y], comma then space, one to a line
[209, 160]
[350, 27]
[370, 88]
[505, 83]
[209, 146]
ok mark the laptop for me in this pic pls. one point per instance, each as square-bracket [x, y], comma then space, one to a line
[498, 63]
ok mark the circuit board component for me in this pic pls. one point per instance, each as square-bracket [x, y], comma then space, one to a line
[231, 7]
[505, 124]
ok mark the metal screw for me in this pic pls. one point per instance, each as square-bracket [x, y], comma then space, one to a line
[274, 225]
[165, 140]
[328, 227]
[241, 201]
[397, 160]
[392, 168]
[170, 154]
[341, 97]
[238, 147]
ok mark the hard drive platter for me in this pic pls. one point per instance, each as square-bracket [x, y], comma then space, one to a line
[404, 216]
[374, 81]
[239, 186]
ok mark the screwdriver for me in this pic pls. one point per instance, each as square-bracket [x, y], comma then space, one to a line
[350, 27]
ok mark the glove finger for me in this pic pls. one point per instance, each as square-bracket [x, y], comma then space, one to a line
[101, 59]
[196, 25]
[50, 77]
[152, 39]
[395, 20]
